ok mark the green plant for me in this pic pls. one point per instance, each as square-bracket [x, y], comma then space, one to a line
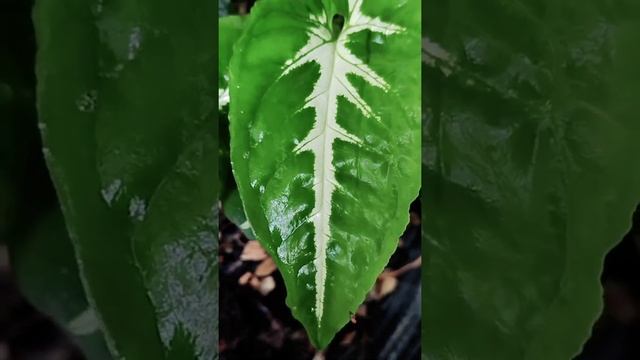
[325, 143]
[127, 114]
[530, 160]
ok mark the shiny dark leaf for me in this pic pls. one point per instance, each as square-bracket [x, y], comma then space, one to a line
[126, 100]
[530, 171]
[324, 113]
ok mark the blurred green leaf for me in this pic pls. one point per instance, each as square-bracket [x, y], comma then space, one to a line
[127, 105]
[176, 248]
[233, 210]
[325, 144]
[46, 269]
[530, 171]
[229, 31]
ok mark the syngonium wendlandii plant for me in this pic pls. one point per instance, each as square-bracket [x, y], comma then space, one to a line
[325, 144]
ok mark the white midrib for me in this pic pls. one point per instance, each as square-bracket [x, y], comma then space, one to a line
[325, 191]
[336, 63]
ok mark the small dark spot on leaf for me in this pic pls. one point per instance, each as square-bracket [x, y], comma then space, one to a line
[337, 24]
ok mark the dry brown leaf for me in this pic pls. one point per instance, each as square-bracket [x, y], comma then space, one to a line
[253, 251]
[254, 282]
[414, 218]
[244, 279]
[415, 264]
[348, 339]
[267, 285]
[387, 285]
[298, 335]
[266, 267]
[362, 310]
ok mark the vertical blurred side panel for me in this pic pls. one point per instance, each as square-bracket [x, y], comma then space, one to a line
[126, 100]
[530, 174]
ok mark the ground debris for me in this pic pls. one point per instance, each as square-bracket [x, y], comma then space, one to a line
[253, 251]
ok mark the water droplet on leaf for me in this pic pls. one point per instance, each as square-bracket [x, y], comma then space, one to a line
[112, 191]
[135, 40]
[137, 209]
[87, 101]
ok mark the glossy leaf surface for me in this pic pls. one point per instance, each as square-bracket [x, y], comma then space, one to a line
[126, 100]
[325, 144]
[229, 31]
[531, 171]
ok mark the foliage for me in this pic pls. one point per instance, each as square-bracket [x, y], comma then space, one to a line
[127, 112]
[530, 171]
[325, 144]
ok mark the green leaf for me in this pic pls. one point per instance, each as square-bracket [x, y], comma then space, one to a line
[127, 106]
[531, 171]
[229, 31]
[46, 270]
[176, 249]
[325, 144]
[232, 207]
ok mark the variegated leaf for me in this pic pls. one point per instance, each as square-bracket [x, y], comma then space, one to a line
[325, 144]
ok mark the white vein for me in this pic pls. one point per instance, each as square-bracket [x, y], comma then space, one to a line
[336, 62]
[223, 98]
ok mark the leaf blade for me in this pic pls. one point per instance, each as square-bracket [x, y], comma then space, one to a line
[526, 142]
[276, 182]
[100, 70]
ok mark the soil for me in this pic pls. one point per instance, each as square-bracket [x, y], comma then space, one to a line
[255, 322]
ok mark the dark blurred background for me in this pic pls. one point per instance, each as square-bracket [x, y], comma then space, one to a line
[255, 322]
[35, 250]
[616, 334]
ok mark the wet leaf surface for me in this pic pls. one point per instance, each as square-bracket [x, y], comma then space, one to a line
[324, 145]
[529, 169]
[127, 113]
